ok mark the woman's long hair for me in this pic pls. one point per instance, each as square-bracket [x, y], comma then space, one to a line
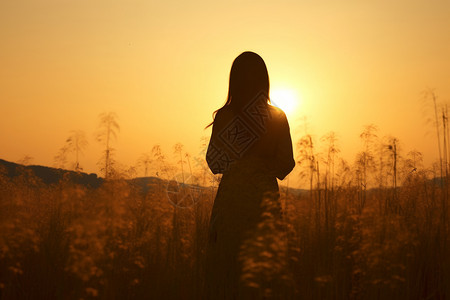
[248, 79]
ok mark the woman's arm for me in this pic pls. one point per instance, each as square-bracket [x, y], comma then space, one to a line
[218, 160]
[284, 158]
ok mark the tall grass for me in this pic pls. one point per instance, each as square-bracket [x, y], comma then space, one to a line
[361, 232]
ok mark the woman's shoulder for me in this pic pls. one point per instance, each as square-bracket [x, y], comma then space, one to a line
[222, 116]
[276, 113]
[221, 112]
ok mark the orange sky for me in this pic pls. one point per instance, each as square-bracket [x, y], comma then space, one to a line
[163, 68]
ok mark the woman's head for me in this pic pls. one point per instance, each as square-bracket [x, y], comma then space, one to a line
[248, 79]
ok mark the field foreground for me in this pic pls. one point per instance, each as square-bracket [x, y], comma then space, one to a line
[122, 239]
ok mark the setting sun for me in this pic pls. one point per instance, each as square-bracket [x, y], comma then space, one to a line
[286, 99]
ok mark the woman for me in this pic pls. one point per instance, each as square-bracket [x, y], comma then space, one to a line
[251, 146]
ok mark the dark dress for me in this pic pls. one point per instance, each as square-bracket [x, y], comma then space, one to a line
[246, 254]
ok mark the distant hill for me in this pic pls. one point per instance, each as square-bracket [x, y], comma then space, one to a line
[50, 175]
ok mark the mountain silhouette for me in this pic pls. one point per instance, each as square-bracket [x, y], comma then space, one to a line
[49, 175]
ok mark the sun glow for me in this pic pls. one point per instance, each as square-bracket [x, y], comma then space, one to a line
[286, 99]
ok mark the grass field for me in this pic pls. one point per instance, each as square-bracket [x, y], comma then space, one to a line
[66, 241]
[377, 229]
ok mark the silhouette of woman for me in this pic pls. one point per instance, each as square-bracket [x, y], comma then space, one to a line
[251, 146]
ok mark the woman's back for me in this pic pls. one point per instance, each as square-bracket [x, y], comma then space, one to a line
[257, 131]
[251, 148]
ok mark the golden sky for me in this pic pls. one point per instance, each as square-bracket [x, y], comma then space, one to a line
[163, 67]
